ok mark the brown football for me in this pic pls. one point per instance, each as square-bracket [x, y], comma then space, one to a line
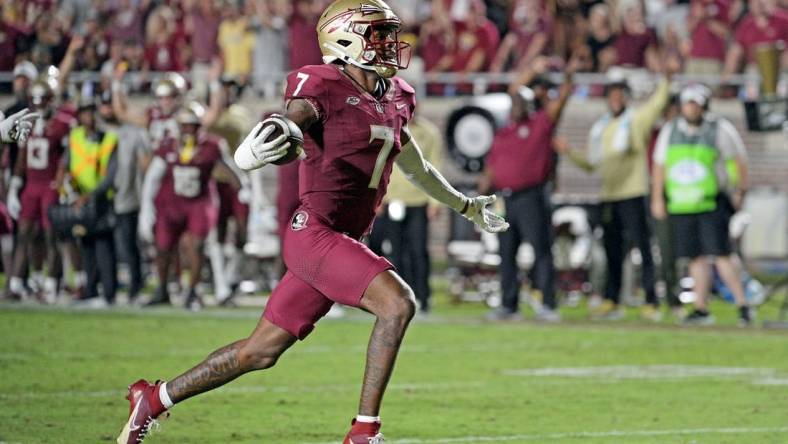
[294, 136]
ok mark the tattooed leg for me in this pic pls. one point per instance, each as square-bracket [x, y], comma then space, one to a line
[260, 351]
[390, 299]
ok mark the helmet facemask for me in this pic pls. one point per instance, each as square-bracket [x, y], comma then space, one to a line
[383, 50]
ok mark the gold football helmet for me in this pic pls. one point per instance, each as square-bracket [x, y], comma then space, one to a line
[363, 33]
[190, 114]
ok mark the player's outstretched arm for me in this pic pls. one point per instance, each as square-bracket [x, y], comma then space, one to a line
[256, 151]
[425, 176]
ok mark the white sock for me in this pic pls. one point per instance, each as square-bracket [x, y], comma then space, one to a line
[164, 397]
[17, 285]
[50, 285]
[367, 419]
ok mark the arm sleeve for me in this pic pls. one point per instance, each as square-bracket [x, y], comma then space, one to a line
[661, 147]
[422, 174]
[729, 142]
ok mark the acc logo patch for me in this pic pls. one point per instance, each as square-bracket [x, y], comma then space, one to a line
[353, 100]
[299, 221]
[379, 108]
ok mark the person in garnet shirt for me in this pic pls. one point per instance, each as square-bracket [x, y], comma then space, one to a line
[764, 24]
[709, 25]
[519, 166]
[636, 45]
[528, 38]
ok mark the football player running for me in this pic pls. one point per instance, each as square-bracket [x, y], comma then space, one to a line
[354, 114]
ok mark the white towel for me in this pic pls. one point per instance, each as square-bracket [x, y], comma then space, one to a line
[620, 139]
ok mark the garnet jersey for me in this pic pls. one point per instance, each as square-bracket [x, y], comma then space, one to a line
[187, 180]
[351, 149]
[45, 147]
[161, 125]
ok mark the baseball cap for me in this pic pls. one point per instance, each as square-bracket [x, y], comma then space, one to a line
[695, 93]
[26, 69]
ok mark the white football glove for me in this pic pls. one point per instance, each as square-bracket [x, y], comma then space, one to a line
[487, 220]
[12, 202]
[146, 221]
[16, 127]
[255, 152]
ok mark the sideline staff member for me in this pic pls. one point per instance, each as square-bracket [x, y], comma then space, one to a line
[698, 158]
[519, 166]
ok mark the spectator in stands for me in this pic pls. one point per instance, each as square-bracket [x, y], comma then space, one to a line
[96, 47]
[11, 43]
[436, 39]
[520, 166]
[302, 26]
[24, 74]
[636, 44]
[91, 162]
[74, 14]
[529, 37]
[163, 47]
[236, 43]
[132, 153]
[50, 43]
[127, 21]
[475, 43]
[269, 59]
[600, 38]
[764, 24]
[617, 147]
[202, 25]
[569, 26]
[694, 159]
[476, 40]
[709, 24]
[405, 217]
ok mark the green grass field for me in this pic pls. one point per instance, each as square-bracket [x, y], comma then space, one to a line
[458, 380]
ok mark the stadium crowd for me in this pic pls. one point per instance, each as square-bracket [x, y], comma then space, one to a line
[259, 40]
[97, 163]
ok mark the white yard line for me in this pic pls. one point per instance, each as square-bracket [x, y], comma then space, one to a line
[645, 372]
[247, 389]
[580, 435]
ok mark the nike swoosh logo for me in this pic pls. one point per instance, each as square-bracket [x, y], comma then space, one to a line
[133, 426]
[400, 106]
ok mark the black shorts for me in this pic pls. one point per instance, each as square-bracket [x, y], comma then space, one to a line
[702, 234]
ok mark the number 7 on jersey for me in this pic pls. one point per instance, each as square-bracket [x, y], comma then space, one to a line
[386, 135]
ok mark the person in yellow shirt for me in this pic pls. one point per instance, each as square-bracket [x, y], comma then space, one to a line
[618, 149]
[404, 217]
[236, 41]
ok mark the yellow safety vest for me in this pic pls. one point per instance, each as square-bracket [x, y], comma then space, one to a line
[89, 160]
